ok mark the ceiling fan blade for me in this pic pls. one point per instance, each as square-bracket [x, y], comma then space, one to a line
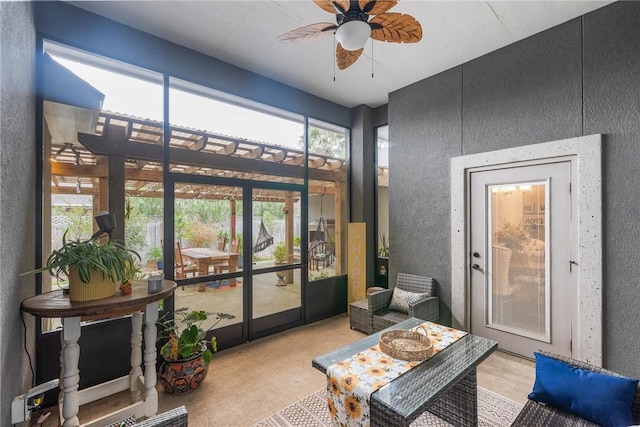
[380, 6]
[396, 28]
[327, 5]
[346, 58]
[308, 33]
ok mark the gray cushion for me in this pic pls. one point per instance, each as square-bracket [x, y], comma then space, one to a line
[401, 299]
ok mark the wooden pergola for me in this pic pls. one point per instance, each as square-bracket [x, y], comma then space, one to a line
[123, 156]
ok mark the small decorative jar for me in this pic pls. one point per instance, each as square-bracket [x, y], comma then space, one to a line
[154, 284]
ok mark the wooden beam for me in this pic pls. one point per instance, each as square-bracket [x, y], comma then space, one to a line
[109, 145]
[72, 190]
[69, 169]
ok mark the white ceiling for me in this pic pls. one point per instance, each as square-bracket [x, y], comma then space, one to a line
[244, 32]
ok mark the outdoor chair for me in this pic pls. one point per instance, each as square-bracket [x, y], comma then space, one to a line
[539, 414]
[413, 296]
[183, 267]
[224, 265]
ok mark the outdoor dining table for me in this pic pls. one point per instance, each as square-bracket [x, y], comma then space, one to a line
[444, 384]
[206, 257]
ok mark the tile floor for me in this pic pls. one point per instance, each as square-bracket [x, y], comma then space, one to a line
[250, 382]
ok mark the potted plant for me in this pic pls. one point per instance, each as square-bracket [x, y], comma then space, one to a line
[93, 268]
[187, 352]
[280, 253]
[131, 271]
[155, 256]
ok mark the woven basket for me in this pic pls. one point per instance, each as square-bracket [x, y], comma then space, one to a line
[406, 345]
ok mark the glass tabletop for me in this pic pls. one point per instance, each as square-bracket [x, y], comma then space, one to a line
[411, 393]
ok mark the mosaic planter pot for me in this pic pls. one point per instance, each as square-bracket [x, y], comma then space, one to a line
[183, 376]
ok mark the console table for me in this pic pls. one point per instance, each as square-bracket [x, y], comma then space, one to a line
[445, 384]
[144, 397]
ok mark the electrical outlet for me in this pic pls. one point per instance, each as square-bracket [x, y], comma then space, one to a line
[22, 405]
[19, 410]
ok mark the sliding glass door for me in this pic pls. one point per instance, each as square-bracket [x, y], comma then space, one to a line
[276, 292]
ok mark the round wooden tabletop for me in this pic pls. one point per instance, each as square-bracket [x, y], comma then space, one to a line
[57, 303]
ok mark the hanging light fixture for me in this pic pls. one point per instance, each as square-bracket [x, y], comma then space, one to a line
[356, 21]
[353, 35]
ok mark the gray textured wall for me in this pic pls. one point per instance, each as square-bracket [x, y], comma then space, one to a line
[612, 107]
[578, 78]
[424, 133]
[17, 158]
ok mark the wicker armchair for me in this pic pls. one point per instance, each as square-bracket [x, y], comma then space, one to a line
[426, 309]
[536, 414]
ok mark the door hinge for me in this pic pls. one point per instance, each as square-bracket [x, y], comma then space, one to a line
[569, 188]
[571, 346]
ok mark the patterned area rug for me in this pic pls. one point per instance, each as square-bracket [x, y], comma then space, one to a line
[493, 411]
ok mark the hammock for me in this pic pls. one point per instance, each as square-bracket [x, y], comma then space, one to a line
[264, 239]
[322, 233]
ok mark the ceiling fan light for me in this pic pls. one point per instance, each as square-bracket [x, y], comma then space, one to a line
[352, 35]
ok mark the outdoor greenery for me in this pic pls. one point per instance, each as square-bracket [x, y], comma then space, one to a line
[321, 275]
[79, 220]
[200, 234]
[184, 335]
[280, 252]
[383, 246]
[325, 142]
[198, 222]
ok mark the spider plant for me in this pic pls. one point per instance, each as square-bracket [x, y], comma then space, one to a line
[111, 259]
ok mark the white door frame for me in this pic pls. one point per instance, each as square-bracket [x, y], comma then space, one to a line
[587, 326]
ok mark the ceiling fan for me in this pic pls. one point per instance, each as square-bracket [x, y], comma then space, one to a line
[357, 20]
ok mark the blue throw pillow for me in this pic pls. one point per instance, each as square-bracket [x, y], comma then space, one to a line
[600, 398]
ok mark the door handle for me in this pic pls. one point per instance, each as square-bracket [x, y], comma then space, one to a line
[477, 267]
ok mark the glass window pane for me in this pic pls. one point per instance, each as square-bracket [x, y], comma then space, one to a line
[519, 258]
[215, 134]
[208, 243]
[327, 195]
[276, 242]
[382, 200]
[78, 183]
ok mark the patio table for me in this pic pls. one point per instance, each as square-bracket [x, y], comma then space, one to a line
[206, 257]
[445, 384]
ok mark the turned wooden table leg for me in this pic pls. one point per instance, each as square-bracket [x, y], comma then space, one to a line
[61, 384]
[70, 373]
[136, 356]
[150, 377]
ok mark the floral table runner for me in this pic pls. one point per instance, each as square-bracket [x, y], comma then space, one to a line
[351, 381]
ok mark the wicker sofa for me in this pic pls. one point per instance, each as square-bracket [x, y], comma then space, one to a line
[536, 414]
[425, 309]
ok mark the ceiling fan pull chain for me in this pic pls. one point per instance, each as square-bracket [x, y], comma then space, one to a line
[332, 53]
[371, 58]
